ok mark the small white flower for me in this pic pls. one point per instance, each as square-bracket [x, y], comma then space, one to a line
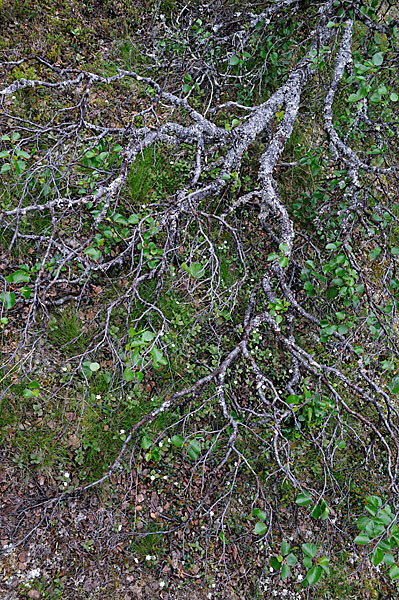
[136, 560]
[66, 474]
[211, 513]
[160, 444]
[300, 577]
[162, 584]
[165, 477]
[148, 557]
[152, 477]
[98, 397]
[65, 484]
[122, 431]
[154, 557]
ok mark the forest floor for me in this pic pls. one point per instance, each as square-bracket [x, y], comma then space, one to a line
[90, 547]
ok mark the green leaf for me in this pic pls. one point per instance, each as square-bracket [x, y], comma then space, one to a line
[5, 168]
[285, 548]
[314, 575]
[309, 549]
[18, 276]
[308, 286]
[362, 523]
[177, 440]
[120, 219]
[303, 499]
[94, 253]
[94, 366]
[20, 166]
[147, 336]
[133, 219]
[307, 561]
[394, 385]
[294, 399]
[194, 450]
[394, 97]
[378, 59]
[128, 374]
[197, 270]
[389, 559]
[324, 563]
[332, 292]
[374, 253]
[394, 572]
[259, 514]
[374, 501]
[285, 571]
[342, 329]
[291, 560]
[384, 545]
[275, 563]
[260, 528]
[316, 512]
[378, 555]
[395, 251]
[157, 358]
[362, 539]
[234, 60]
[4, 153]
[146, 442]
[8, 299]
[22, 153]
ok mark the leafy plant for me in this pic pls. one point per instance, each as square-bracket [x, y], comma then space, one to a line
[380, 525]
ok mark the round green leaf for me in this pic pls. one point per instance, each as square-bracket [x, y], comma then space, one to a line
[146, 442]
[285, 548]
[394, 572]
[8, 299]
[18, 276]
[285, 571]
[234, 60]
[291, 560]
[177, 440]
[314, 575]
[310, 549]
[128, 374]
[260, 514]
[378, 59]
[94, 253]
[362, 539]
[260, 528]
[303, 499]
[275, 563]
